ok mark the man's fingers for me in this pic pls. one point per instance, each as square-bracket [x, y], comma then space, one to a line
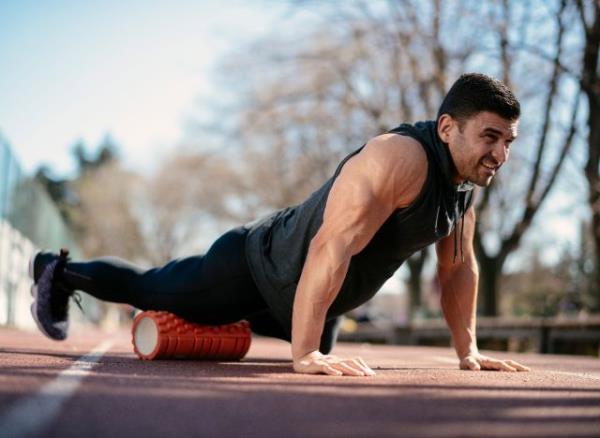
[498, 365]
[355, 365]
[518, 366]
[506, 367]
[321, 366]
[488, 363]
[348, 366]
[347, 369]
[334, 366]
[365, 367]
[328, 369]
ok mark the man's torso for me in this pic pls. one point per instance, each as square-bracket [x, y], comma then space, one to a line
[276, 246]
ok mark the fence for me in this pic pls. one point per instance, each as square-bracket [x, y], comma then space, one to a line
[558, 335]
[29, 220]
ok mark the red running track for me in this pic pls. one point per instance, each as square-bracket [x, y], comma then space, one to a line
[47, 390]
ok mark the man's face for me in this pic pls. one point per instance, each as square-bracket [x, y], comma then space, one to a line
[480, 146]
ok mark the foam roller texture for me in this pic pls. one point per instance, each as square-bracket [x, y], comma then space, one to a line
[163, 335]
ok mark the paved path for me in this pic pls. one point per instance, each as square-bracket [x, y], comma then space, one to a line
[92, 385]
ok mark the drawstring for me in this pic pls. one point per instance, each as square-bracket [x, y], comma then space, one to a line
[77, 298]
[455, 249]
[462, 229]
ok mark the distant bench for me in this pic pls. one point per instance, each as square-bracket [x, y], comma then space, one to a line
[559, 335]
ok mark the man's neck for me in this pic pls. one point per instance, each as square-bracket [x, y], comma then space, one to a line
[456, 178]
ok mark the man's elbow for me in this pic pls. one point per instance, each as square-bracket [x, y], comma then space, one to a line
[448, 268]
[331, 255]
[329, 249]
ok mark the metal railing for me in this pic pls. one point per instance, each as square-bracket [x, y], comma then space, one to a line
[556, 335]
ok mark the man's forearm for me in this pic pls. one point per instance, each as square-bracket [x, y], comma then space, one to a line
[459, 304]
[322, 276]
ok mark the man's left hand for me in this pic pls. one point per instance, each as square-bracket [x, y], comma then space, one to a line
[477, 361]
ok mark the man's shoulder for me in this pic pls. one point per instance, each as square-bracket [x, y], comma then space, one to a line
[394, 166]
[396, 152]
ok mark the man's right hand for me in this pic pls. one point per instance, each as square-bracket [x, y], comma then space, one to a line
[316, 363]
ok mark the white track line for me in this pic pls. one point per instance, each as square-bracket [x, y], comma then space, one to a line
[29, 416]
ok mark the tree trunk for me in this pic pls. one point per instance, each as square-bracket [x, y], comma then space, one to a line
[490, 272]
[594, 194]
[590, 82]
[489, 280]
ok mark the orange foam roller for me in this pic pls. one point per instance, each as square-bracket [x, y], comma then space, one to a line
[163, 335]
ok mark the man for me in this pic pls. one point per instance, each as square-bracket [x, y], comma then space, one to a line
[294, 273]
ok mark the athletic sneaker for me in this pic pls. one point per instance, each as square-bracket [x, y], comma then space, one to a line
[50, 308]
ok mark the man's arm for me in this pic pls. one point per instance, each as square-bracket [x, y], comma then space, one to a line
[459, 282]
[387, 174]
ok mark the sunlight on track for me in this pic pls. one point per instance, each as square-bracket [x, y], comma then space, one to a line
[448, 360]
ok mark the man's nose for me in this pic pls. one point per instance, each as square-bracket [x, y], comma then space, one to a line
[500, 153]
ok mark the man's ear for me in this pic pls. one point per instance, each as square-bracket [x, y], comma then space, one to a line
[444, 126]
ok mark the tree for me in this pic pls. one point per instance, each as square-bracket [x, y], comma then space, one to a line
[501, 220]
[104, 220]
[361, 70]
[175, 202]
[96, 203]
[589, 15]
[363, 67]
[60, 191]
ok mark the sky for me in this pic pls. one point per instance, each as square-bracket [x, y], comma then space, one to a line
[77, 70]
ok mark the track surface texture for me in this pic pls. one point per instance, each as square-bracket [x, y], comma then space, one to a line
[54, 389]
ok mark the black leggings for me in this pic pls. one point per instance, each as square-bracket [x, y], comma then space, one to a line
[214, 288]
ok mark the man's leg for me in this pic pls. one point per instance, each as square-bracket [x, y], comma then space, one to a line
[330, 334]
[215, 288]
[264, 323]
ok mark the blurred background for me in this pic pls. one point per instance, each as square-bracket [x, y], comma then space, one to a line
[146, 129]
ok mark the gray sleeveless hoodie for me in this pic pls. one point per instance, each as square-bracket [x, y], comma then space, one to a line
[276, 245]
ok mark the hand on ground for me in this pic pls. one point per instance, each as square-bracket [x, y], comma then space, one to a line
[318, 363]
[476, 362]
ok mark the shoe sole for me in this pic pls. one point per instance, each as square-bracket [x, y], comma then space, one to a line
[33, 288]
[34, 291]
[30, 266]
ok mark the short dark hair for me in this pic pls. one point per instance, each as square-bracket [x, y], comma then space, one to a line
[473, 93]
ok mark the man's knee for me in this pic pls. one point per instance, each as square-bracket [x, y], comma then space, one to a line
[326, 346]
[264, 323]
[330, 334]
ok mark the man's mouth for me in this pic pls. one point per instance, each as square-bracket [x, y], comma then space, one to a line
[490, 167]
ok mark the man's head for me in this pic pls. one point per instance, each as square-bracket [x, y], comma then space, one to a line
[478, 119]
